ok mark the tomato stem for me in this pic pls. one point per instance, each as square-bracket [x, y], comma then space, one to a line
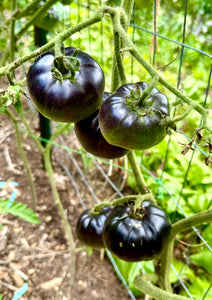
[98, 207]
[140, 182]
[154, 291]
[146, 92]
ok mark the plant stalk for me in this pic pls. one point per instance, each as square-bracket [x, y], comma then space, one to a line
[61, 211]
[155, 292]
[24, 158]
[64, 35]
[140, 182]
[195, 220]
[12, 31]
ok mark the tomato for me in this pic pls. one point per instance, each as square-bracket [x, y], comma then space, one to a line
[132, 124]
[91, 139]
[136, 235]
[67, 100]
[90, 226]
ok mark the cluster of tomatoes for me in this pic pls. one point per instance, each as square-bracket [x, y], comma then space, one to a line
[70, 89]
[107, 125]
[131, 234]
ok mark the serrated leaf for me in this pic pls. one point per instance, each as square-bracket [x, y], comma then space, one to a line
[20, 210]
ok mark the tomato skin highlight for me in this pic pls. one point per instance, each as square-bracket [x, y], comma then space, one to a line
[69, 100]
[135, 127]
[90, 137]
[136, 238]
[89, 227]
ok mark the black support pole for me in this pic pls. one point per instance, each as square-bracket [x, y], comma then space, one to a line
[45, 126]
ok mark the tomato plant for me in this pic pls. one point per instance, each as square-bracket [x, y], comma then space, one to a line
[90, 137]
[74, 93]
[136, 234]
[90, 226]
[129, 121]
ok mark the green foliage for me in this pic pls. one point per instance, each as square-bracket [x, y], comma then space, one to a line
[129, 270]
[20, 210]
[11, 96]
[197, 284]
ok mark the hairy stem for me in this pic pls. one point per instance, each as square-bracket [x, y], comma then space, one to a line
[155, 292]
[195, 220]
[140, 182]
[147, 91]
[118, 58]
[24, 158]
[26, 11]
[64, 35]
[127, 5]
[12, 31]
[122, 200]
[182, 225]
[165, 266]
[29, 131]
[61, 211]
[41, 11]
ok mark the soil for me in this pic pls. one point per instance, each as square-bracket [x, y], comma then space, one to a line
[38, 254]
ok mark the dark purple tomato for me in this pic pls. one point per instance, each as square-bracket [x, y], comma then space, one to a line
[128, 123]
[66, 100]
[91, 139]
[89, 227]
[136, 235]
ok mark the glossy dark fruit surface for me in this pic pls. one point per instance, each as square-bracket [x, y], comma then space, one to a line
[128, 123]
[136, 236]
[91, 139]
[66, 100]
[89, 227]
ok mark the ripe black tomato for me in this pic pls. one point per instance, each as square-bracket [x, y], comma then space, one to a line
[136, 236]
[66, 100]
[91, 139]
[132, 124]
[90, 226]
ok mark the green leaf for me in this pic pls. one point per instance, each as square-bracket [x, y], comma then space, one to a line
[18, 106]
[20, 210]
[203, 258]
[3, 43]
[207, 234]
[128, 270]
[196, 174]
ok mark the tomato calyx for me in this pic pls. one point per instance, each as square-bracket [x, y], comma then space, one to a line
[137, 213]
[65, 67]
[140, 102]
